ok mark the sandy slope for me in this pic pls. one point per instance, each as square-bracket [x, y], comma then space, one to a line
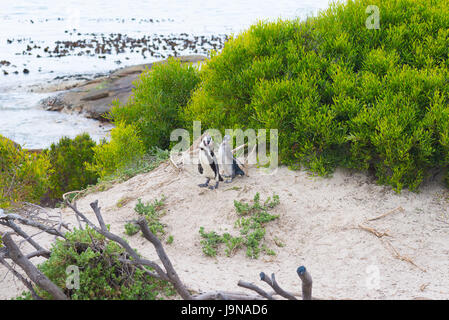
[319, 225]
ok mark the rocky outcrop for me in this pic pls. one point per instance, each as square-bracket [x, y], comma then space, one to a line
[94, 98]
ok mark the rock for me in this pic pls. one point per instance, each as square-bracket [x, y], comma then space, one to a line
[94, 98]
[96, 95]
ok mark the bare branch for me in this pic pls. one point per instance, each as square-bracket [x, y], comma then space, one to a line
[9, 223]
[306, 279]
[171, 273]
[272, 283]
[118, 239]
[255, 288]
[21, 278]
[32, 272]
[31, 223]
[219, 295]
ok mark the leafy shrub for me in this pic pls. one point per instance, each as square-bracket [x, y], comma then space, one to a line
[67, 158]
[252, 221]
[23, 175]
[101, 273]
[158, 97]
[340, 94]
[125, 147]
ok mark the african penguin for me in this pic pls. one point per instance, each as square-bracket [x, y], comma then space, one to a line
[208, 165]
[227, 163]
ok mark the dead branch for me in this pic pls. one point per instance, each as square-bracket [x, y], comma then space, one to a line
[31, 271]
[255, 288]
[272, 283]
[373, 231]
[31, 223]
[398, 256]
[223, 295]
[398, 209]
[9, 223]
[21, 278]
[168, 273]
[116, 238]
[171, 273]
[306, 280]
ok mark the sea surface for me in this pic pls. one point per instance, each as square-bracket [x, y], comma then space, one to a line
[45, 41]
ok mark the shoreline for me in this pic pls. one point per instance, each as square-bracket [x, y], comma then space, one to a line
[93, 98]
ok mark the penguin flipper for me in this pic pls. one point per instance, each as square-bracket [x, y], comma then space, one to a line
[200, 168]
[236, 169]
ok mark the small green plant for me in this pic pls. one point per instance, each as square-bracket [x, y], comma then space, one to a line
[251, 223]
[232, 244]
[169, 239]
[152, 212]
[123, 201]
[210, 242]
[131, 228]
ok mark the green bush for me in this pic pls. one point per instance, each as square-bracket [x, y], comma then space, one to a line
[340, 94]
[67, 158]
[158, 97]
[124, 147]
[23, 175]
[101, 273]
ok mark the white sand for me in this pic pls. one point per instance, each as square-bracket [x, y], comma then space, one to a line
[319, 225]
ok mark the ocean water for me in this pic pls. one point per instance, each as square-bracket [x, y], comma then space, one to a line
[41, 40]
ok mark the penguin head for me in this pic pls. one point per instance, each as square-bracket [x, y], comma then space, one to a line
[207, 141]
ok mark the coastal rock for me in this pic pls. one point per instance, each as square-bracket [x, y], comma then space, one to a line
[93, 98]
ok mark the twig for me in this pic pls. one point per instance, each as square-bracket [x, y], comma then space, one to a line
[397, 255]
[386, 214]
[32, 223]
[373, 231]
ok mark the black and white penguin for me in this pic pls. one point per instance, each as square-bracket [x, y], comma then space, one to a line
[208, 165]
[228, 164]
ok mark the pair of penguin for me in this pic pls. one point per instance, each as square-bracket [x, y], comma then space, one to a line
[224, 165]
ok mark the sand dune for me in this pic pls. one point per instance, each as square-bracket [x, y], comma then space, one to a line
[323, 224]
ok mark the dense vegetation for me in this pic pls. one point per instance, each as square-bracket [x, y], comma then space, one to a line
[67, 159]
[23, 175]
[101, 273]
[340, 93]
[158, 101]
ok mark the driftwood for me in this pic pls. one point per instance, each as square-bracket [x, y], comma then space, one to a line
[166, 271]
